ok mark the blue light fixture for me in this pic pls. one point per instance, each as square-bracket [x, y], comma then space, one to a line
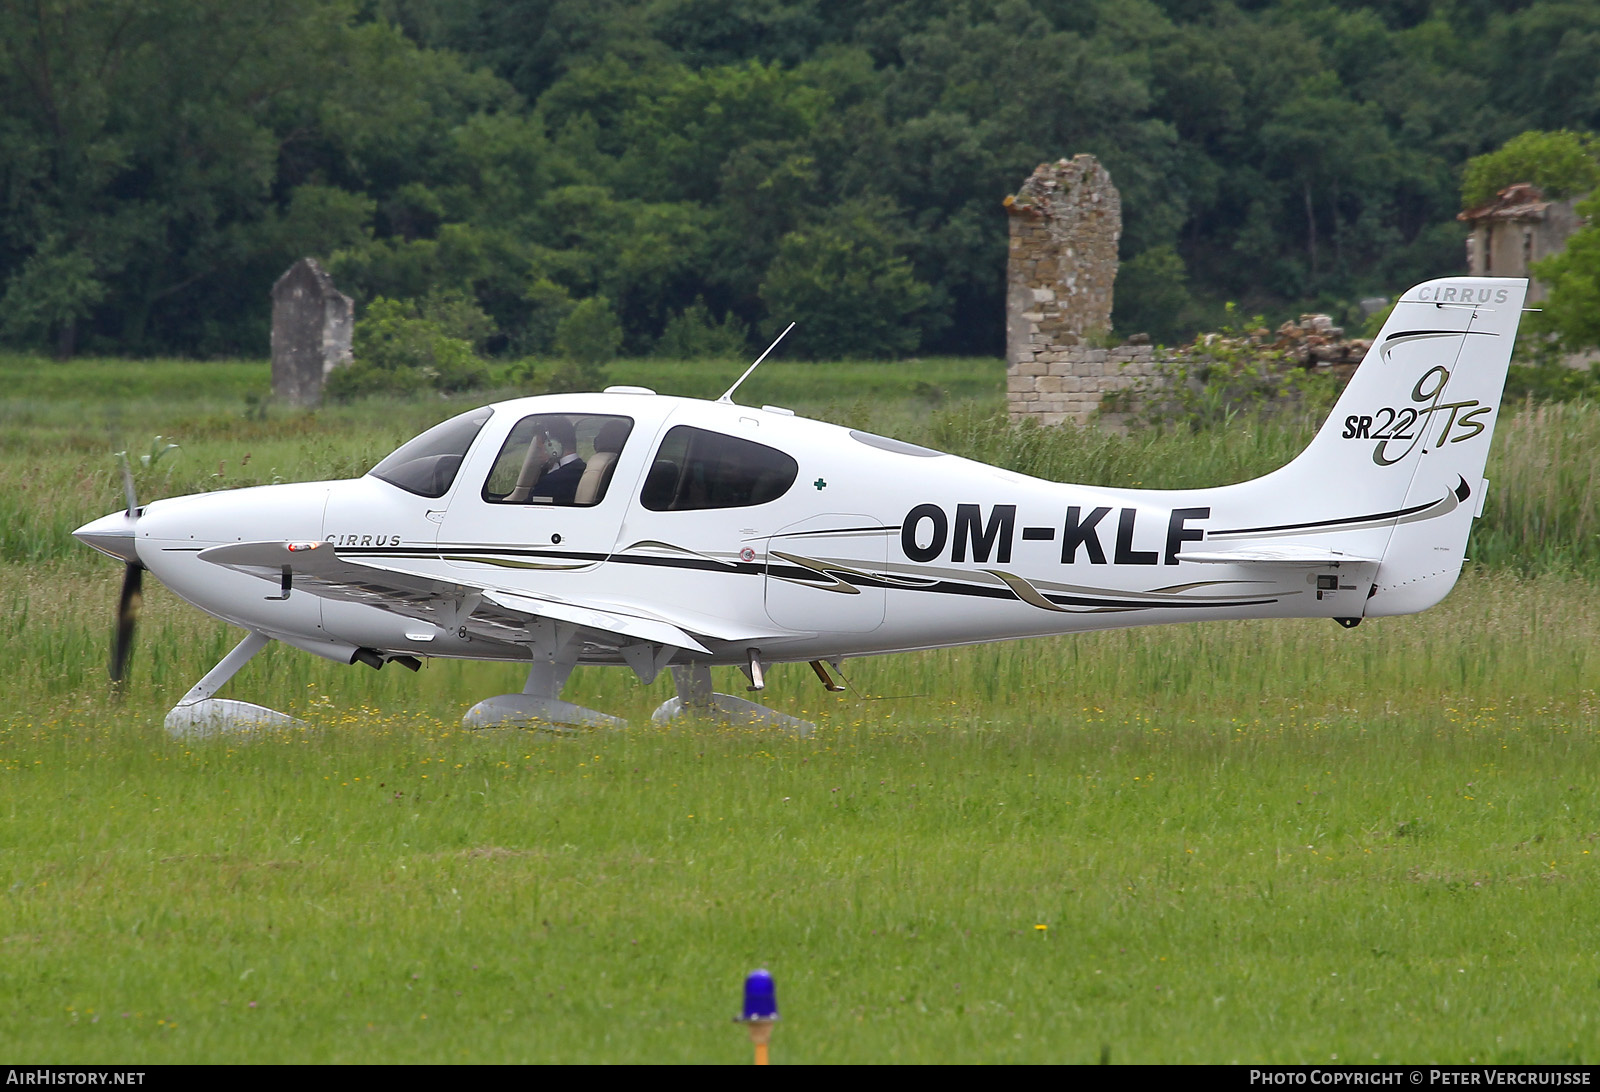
[760, 996]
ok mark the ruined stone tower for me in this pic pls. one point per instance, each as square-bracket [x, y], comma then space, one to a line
[312, 326]
[1066, 221]
[1515, 230]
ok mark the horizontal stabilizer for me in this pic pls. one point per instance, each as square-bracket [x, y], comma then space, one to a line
[1278, 555]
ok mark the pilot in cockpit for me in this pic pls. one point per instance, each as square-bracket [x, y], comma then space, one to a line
[563, 468]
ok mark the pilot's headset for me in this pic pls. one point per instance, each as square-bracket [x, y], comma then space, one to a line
[559, 442]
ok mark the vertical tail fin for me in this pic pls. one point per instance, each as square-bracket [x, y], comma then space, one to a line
[1398, 466]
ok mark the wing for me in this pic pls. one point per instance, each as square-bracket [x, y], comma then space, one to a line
[493, 613]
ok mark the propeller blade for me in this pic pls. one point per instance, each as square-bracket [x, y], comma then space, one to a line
[127, 619]
[127, 484]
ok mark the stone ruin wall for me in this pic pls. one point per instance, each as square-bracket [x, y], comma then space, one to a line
[1072, 383]
[1065, 223]
[1112, 388]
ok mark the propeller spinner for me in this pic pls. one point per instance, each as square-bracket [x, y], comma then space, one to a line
[113, 536]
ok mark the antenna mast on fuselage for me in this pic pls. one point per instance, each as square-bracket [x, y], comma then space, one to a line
[727, 395]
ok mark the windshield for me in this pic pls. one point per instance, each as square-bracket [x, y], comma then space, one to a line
[427, 465]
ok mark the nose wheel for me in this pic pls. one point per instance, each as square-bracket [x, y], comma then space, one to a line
[199, 714]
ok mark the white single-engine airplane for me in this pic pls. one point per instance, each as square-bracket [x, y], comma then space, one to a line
[654, 532]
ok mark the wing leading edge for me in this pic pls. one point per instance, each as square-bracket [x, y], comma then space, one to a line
[482, 610]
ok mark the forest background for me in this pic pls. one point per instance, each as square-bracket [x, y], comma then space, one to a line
[679, 177]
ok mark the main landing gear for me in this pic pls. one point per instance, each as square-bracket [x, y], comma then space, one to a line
[696, 700]
[555, 654]
[555, 648]
[539, 705]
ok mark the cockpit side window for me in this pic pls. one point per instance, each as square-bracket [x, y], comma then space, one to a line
[564, 459]
[427, 465]
[695, 469]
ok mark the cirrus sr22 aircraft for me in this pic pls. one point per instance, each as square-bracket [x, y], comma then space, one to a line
[687, 534]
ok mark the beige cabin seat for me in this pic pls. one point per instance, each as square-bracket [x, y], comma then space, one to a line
[532, 470]
[597, 471]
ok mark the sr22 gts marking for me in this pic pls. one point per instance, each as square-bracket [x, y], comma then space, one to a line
[1411, 422]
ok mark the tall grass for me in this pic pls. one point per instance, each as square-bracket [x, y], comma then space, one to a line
[1243, 842]
[1541, 513]
[1268, 841]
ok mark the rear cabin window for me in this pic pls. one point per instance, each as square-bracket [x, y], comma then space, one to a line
[564, 459]
[696, 469]
[427, 465]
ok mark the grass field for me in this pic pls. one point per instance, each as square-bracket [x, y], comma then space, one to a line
[1269, 842]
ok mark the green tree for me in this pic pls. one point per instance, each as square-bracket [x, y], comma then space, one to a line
[405, 346]
[1539, 58]
[1562, 164]
[1572, 311]
[587, 339]
[1152, 296]
[590, 333]
[184, 154]
[533, 44]
[152, 183]
[53, 292]
[548, 304]
[662, 151]
[647, 257]
[1334, 152]
[680, 138]
[692, 334]
[846, 289]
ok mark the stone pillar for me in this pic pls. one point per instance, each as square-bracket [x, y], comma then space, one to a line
[312, 326]
[1066, 221]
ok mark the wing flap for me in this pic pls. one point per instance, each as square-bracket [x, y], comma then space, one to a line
[650, 630]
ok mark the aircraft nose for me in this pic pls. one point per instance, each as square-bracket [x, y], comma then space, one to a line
[112, 535]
